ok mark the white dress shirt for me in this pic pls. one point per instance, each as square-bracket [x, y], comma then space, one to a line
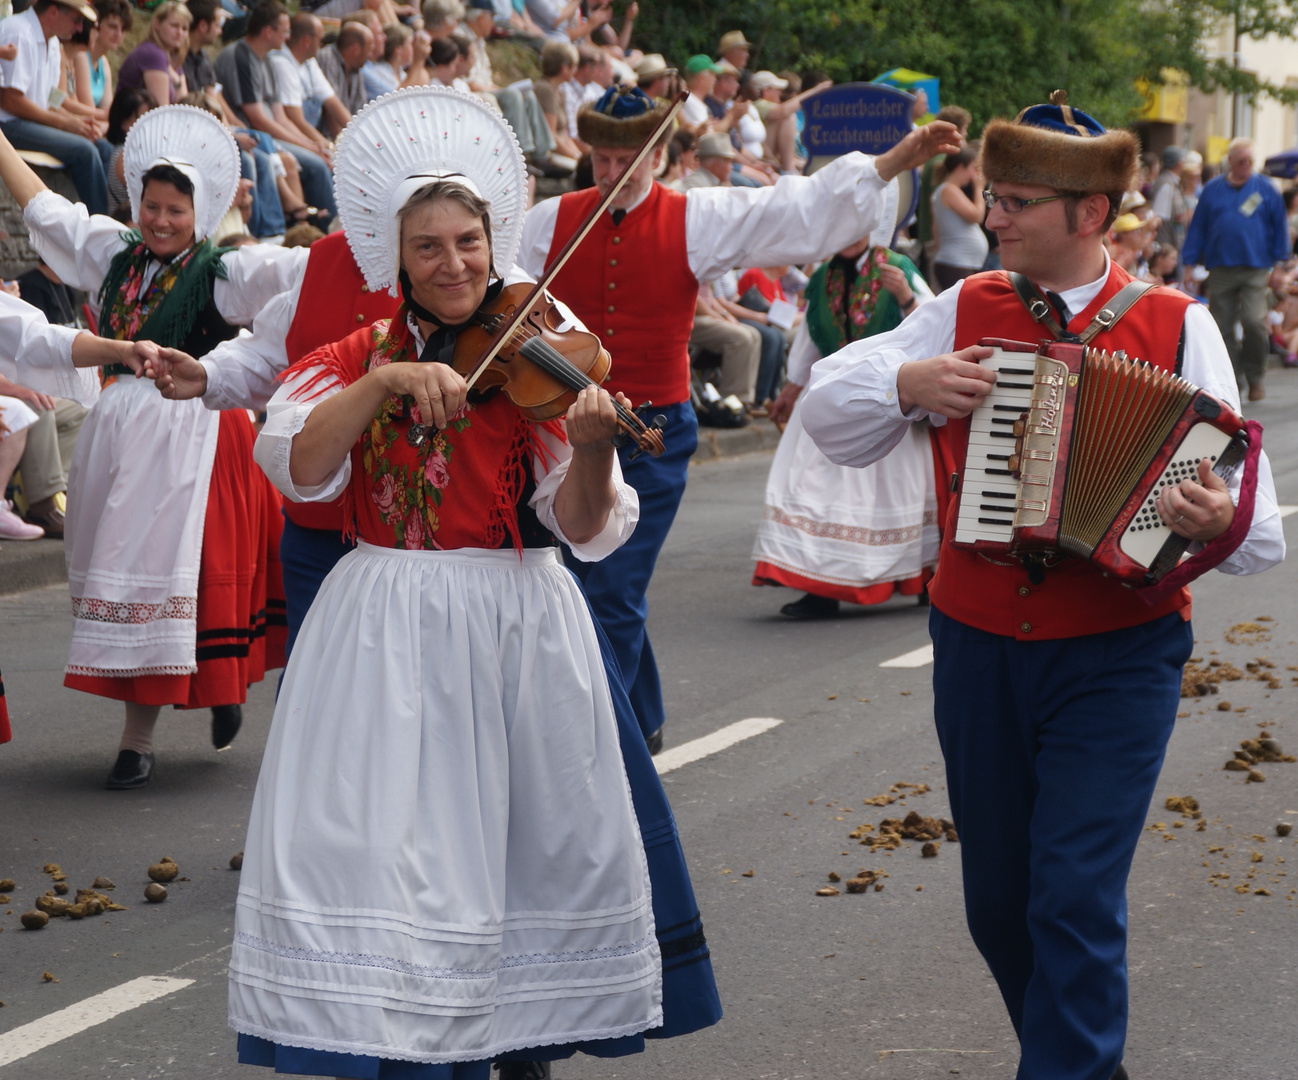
[35, 70]
[852, 413]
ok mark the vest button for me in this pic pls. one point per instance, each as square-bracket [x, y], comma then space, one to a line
[612, 284]
[612, 262]
[1024, 591]
[360, 317]
[617, 239]
[610, 309]
[608, 332]
[1025, 628]
[365, 288]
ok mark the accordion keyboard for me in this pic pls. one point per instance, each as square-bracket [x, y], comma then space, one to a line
[987, 490]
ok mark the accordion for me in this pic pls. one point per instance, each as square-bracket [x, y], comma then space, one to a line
[1068, 452]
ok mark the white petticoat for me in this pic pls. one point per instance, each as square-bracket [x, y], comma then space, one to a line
[443, 863]
[848, 526]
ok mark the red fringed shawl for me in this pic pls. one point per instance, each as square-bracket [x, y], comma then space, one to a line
[460, 489]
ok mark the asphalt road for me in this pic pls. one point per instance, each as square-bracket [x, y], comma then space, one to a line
[883, 985]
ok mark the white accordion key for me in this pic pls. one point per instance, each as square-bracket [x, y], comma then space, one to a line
[987, 490]
[1145, 535]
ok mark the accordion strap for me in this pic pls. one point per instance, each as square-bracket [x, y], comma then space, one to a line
[1105, 319]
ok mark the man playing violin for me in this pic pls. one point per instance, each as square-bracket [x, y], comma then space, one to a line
[634, 282]
[1055, 686]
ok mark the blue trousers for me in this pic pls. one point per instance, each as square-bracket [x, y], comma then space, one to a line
[1052, 752]
[317, 180]
[83, 159]
[772, 362]
[616, 586]
[267, 211]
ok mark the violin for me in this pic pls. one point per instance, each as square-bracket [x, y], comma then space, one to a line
[517, 343]
[542, 367]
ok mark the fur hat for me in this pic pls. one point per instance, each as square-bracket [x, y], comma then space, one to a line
[1059, 147]
[621, 119]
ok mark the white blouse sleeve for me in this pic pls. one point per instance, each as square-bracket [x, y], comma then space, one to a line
[242, 373]
[799, 219]
[538, 235]
[254, 274]
[802, 354]
[284, 419]
[38, 355]
[549, 475]
[1206, 363]
[75, 245]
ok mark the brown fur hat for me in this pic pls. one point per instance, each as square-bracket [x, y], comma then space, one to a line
[618, 125]
[1059, 147]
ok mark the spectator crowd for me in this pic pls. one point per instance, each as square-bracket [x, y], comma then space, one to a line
[75, 75]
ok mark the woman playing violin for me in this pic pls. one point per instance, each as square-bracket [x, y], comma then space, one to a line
[443, 864]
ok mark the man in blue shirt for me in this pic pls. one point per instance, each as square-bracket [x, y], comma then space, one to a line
[1239, 233]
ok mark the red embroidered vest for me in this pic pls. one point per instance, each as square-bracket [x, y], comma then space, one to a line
[460, 489]
[334, 301]
[631, 284]
[1075, 598]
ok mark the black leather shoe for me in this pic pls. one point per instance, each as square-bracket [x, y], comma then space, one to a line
[655, 742]
[523, 1070]
[226, 721]
[131, 770]
[1121, 1074]
[811, 606]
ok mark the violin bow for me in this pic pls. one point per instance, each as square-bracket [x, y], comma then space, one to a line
[524, 309]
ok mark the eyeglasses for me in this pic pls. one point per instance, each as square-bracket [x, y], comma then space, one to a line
[1012, 204]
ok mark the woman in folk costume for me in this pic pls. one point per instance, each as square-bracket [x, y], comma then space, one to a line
[840, 534]
[169, 522]
[442, 865]
[54, 360]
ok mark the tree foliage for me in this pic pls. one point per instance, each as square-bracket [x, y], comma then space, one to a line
[993, 56]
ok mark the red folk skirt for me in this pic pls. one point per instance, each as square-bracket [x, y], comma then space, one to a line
[241, 621]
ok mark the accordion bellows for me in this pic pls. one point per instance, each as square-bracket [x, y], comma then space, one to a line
[1068, 453]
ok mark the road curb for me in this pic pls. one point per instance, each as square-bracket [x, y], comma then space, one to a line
[31, 564]
[715, 443]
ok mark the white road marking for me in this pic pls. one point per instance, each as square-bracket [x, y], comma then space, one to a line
[711, 744]
[1285, 511]
[915, 658]
[73, 1020]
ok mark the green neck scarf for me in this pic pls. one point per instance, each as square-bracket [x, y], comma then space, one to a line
[845, 305]
[165, 311]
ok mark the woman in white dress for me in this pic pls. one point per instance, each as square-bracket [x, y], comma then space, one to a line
[443, 864]
[169, 525]
[841, 534]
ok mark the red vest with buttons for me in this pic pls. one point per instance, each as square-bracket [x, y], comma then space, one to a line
[1075, 598]
[334, 302]
[632, 285]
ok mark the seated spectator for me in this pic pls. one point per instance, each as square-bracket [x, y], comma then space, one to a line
[94, 77]
[387, 11]
[157, 63]
[749, 300]
[561, 20]
[127, 107]
[341, 63]
[249, 87]
[15, 419]
[305, 93]
[443, 64]
[441, 17]
[378, 39]
[957, 219]
[716, 330]
[384, 75]
[716, 156]
[682, 159]
[520, 109]
[583, 86]
[30, 117]
[700, 78]
[735, 114]
[52, 437]
[736, 49]
[558, 66]
[208, 19]
[653, 76]
[780, 115]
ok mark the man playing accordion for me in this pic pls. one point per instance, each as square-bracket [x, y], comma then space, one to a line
[1056, 687]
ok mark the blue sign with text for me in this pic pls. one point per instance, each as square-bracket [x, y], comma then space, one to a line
[856, 116]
